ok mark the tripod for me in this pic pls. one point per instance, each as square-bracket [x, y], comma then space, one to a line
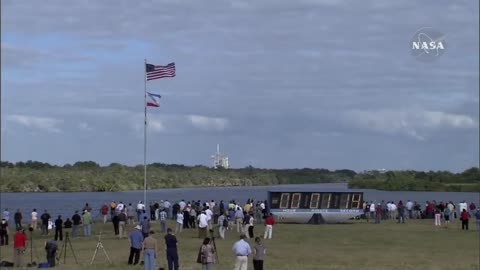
[100, 246]
[64, 249]
[32, 250]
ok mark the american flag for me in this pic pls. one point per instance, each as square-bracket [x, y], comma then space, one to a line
[156, 71]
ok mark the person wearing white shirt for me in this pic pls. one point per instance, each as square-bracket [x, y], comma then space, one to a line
[393, 211]
[372, 210]
[202, 225]
[182, 205]
[34, 219]
[179, 224]
[409, 207]
[140, 208]
[168, 208]
[120, 207]
[221, 228]
[209, 214]
[212, 204]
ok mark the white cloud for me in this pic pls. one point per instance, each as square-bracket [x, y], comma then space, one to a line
[84, 126]
[33, 122]
[156, 125]
[413, 123]
[208, 123]
[439, 119]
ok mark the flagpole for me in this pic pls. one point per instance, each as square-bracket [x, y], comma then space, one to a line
[145, 139]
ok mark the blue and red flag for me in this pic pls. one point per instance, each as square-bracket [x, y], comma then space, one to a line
[154, 100]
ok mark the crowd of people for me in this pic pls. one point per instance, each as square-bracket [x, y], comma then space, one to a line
[438, 211]
[209, 218]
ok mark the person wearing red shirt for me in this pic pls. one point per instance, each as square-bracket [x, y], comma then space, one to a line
[19, 245]
[464, 216]
[104, 212]
[269, 222]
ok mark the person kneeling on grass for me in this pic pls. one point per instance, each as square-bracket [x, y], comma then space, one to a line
[51, 249]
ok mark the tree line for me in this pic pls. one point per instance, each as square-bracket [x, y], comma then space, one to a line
[35, 176]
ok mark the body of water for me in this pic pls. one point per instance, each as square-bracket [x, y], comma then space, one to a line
[65, 203]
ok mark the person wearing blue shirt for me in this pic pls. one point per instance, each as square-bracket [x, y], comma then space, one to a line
[136, 241]
[241, 249]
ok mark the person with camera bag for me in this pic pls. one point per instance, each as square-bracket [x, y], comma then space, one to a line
[206, 254]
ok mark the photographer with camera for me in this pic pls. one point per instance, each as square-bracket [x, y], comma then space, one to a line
[51, 249]
[206, 254]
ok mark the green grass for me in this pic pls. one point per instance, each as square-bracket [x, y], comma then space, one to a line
[414, 245]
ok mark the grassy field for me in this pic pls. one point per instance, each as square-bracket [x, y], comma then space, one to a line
[357, 245]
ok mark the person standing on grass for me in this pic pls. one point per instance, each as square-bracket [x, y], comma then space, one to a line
[145, 226]
[438, 216]
[130, 213]
[239, 219]
[19, 245]
[34, 217]
[76, 219]
[6, 215]
[378, 213]
[464, 216]
[242, 250]
[259, 252]
[172, 253]
[477, 216]
[17, 217]
[122, 221]
[150, 249]
[251, 222]
[136, 238]
[59, 228]
[115, 223]
[401, 212]
[104, 212]
[451, 207]
[87, 223]
[45, 217]
[193, 216]
[446, 215]
[472, 207]
[4, 233]
[162, 217]
[269, 222]
[202, 225]
[409, 207]
[366, 210]
[222, 223]
[207, 254]
[179, 223]
[371, 211]
[209, 214]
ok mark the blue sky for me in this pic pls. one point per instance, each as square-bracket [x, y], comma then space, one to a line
[279, 84]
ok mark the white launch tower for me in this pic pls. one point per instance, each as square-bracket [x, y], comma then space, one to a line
[220, 160]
